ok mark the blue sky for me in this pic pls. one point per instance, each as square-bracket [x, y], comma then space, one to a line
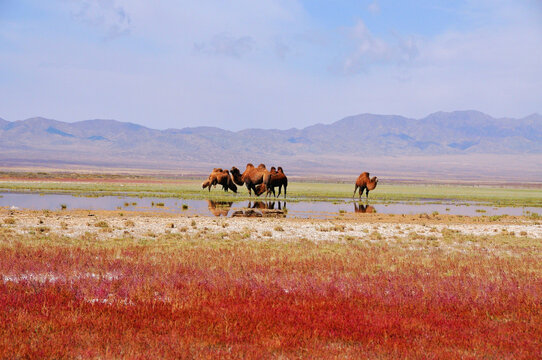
[267, 63]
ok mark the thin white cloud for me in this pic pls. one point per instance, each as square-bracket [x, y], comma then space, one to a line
[227, 45]
[107, 15]
[282, 49]
[370, 50]
[374, 7]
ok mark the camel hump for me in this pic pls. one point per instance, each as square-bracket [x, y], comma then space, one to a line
[250, 165]
[365, 174]
[280, 169]
[217, 170]
[262, 166]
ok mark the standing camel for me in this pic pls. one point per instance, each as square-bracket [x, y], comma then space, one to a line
[221, 177]
[364, 182]
[278, 179]
[251, 177]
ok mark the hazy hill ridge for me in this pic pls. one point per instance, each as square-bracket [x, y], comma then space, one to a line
[110, 141]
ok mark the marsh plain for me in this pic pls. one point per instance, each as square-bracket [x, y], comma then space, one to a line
[166, 281]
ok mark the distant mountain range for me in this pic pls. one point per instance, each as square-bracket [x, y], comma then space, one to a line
[352, 140]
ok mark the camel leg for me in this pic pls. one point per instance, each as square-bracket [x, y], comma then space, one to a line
[249, 191]
[367, 194]
[284, 191]
[361, 190]
[253, 187]
[355, 189]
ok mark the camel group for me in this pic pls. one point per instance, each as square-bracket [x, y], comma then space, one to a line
[260, 180]
[256, 179]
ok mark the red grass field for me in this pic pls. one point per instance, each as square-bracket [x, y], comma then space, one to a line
[182, 297]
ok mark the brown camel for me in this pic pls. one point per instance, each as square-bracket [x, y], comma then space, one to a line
[251, 177]
[364, 182]
[211, 179]
[278, 179]
[221, 177]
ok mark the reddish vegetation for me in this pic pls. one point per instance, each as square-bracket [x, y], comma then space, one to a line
[254, 301]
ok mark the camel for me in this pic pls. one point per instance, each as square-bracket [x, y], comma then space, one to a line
[212, 178]
[219, 208]
[278, 179]
[222, 177]
[251, 177]
[364, 182]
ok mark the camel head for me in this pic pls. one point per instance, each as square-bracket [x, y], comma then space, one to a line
[236, 176]
[262, 167]
[250, 166]
[372, 183]
[205, 184]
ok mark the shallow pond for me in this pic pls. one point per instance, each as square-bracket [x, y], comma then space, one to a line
[299, 209]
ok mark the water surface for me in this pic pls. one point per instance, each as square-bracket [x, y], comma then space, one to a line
[299, 209]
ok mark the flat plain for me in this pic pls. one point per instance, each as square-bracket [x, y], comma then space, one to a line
[125, 284]
[524, 195]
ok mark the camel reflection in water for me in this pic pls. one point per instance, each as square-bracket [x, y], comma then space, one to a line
[219, 208]
[364, 209]
[267, 205]
[267, 208]
[222, 208]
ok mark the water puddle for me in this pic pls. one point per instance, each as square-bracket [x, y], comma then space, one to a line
[301, 209]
